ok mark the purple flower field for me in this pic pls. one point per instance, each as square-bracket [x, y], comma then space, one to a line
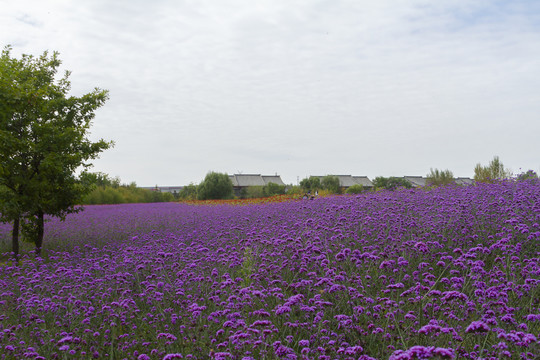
[448, 273]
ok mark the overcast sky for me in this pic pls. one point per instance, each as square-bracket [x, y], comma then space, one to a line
[297, 88]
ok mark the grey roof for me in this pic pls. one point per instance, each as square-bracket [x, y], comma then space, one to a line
[345, 180]
[233, 180]
[165, 189]
[349, 180]
[464, 181]
[362, 180]
[416, 181]
[243, 180]
[276, 179]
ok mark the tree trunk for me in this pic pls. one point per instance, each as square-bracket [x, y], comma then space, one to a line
[15, 239]
[40, 231]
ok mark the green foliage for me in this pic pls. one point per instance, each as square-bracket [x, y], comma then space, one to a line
[43, 140]
[123, 194]
[396, 182]
[294, 190]
[528, 175]
[94, 179]
[355, 189]
[215, 186]
[311, 184]
[493, 172]
[248, 267]
[380, 182]
[189, 192]
[253, 192]
[391, 183]
[331, 183]
[440, 177]
[273, 189]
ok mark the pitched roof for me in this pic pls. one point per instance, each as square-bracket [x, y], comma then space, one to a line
[243, 180]
[363, 180]
[276, 179]
[349, 180]
[346, 180]
[464, 181]
[416, 180]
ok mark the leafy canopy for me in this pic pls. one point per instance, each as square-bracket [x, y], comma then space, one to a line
[331, 183]
[43, 140]
[215, 186]
[391, 183]
[438, 177]
[355, 189]
[311, 184]
[493, 172]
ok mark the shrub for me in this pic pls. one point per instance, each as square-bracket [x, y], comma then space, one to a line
[390, 183]
[124, 194]
[294, 190]
[380, 182]
[274, 189]
[355, 189]
[253, 192]
[331, 183]
[189, 192]
[440, 177]
[311, 184]
[491, 173]
[530, 174]
[215, 186]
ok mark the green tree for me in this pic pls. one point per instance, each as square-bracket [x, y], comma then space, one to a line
[99, 179]
[189, 192]
[355, 189]
[274, 189]
[492, 172]
[391, 183]
[215, 186]
[380, 182]
[311, 184]
[43, 140]
[397, 182]
[438, 177]
[331, 183]
[253, 192]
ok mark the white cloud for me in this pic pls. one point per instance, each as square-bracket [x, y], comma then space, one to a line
[297, 87]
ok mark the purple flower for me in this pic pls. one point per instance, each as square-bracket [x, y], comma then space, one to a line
[477, 327]
[65, 339]
[303, 343]
[167, 336]
[173, 356]
[444, 353]
[283, 309]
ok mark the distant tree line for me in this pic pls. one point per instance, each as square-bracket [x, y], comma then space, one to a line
[494, 171]
[215, 185]
[218, 186]
[109, 190]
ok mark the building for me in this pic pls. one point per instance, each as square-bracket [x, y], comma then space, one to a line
[346, 181]
[364, 181]
[464, 181]
[243, 181]
[416, 181]
[164, 189]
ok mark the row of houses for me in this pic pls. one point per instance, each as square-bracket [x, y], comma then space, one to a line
[419, 181]
[243, 181]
